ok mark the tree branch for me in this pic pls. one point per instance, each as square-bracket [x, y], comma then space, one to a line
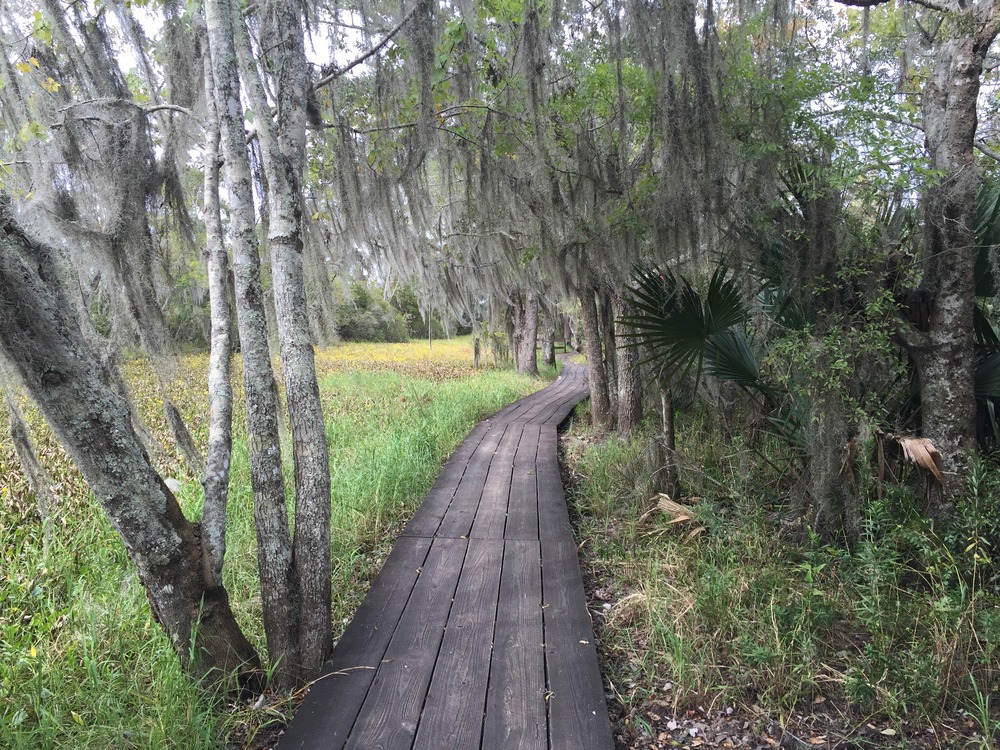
[986, 150]
[330, 73]
[170, 108]
[943, 7]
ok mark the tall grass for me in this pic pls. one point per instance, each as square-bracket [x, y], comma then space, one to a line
[82, 663]
[739, 603]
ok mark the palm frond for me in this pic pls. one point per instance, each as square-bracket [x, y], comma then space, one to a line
[675, 322]
[987, 238]
[987, 377]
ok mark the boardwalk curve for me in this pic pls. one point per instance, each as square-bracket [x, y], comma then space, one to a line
[476, 632]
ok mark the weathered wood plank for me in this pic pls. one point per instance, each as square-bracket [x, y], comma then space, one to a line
[457, 519]
[577, 709]
[528, 447]
[427, 517]
[561, 408]
[544, 401]
[522, 514]
[515, 702]
[327, 715]
[553, 515]
[389, 716]
[455, 705]
[491, 517]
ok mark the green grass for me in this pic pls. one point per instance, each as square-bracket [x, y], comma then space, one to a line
[82, 663]
[741, 605]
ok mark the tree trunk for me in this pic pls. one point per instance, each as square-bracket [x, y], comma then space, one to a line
[274, 547]
[549, 341]
[525, 313]
[511, 333]
[600, 406]
[944, 353]
[283, 150]
[109, 366]
[38, 478]
[41, 338]
[671, 484]
[629, 382]
[610, 353]
[220, 394]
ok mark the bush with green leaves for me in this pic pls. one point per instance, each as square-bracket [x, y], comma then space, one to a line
[366, 316]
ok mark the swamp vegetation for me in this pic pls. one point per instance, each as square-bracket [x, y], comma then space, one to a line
[772, 227]
[84, 665]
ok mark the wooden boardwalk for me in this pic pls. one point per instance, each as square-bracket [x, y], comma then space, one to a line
[476, 633]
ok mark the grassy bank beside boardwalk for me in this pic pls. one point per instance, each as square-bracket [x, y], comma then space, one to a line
[83, 664]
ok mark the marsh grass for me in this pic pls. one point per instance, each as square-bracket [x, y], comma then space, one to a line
[82, 663]
[743, 605]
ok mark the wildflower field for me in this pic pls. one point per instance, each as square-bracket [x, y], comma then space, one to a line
[83, 664]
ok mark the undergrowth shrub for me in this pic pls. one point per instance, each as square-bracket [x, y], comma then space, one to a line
[742, 602]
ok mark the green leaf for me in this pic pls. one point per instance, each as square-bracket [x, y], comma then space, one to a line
[677, 324]
[987, 378]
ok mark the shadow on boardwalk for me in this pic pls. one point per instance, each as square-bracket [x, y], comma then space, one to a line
[476, 632]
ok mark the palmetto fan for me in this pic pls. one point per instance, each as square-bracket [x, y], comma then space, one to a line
[687, 332]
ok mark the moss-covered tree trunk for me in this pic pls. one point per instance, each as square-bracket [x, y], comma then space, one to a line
[274, 548]
[41, 337]
[525, 316]
[600, 405]
[283, 141]
[944, 353]
[629, 383]
[549, 339]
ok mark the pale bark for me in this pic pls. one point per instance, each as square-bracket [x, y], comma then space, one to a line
[549, 344]
[629, 383]
[568, 332]
[41, 337]
[944, 353]
[511, 341]
[283, 152]
[600, 406]
[279, 592]
[525, 314]
[220, 393]
[671, 482]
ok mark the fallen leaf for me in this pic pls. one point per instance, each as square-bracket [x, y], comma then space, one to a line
[678, 513]
[922, 453]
